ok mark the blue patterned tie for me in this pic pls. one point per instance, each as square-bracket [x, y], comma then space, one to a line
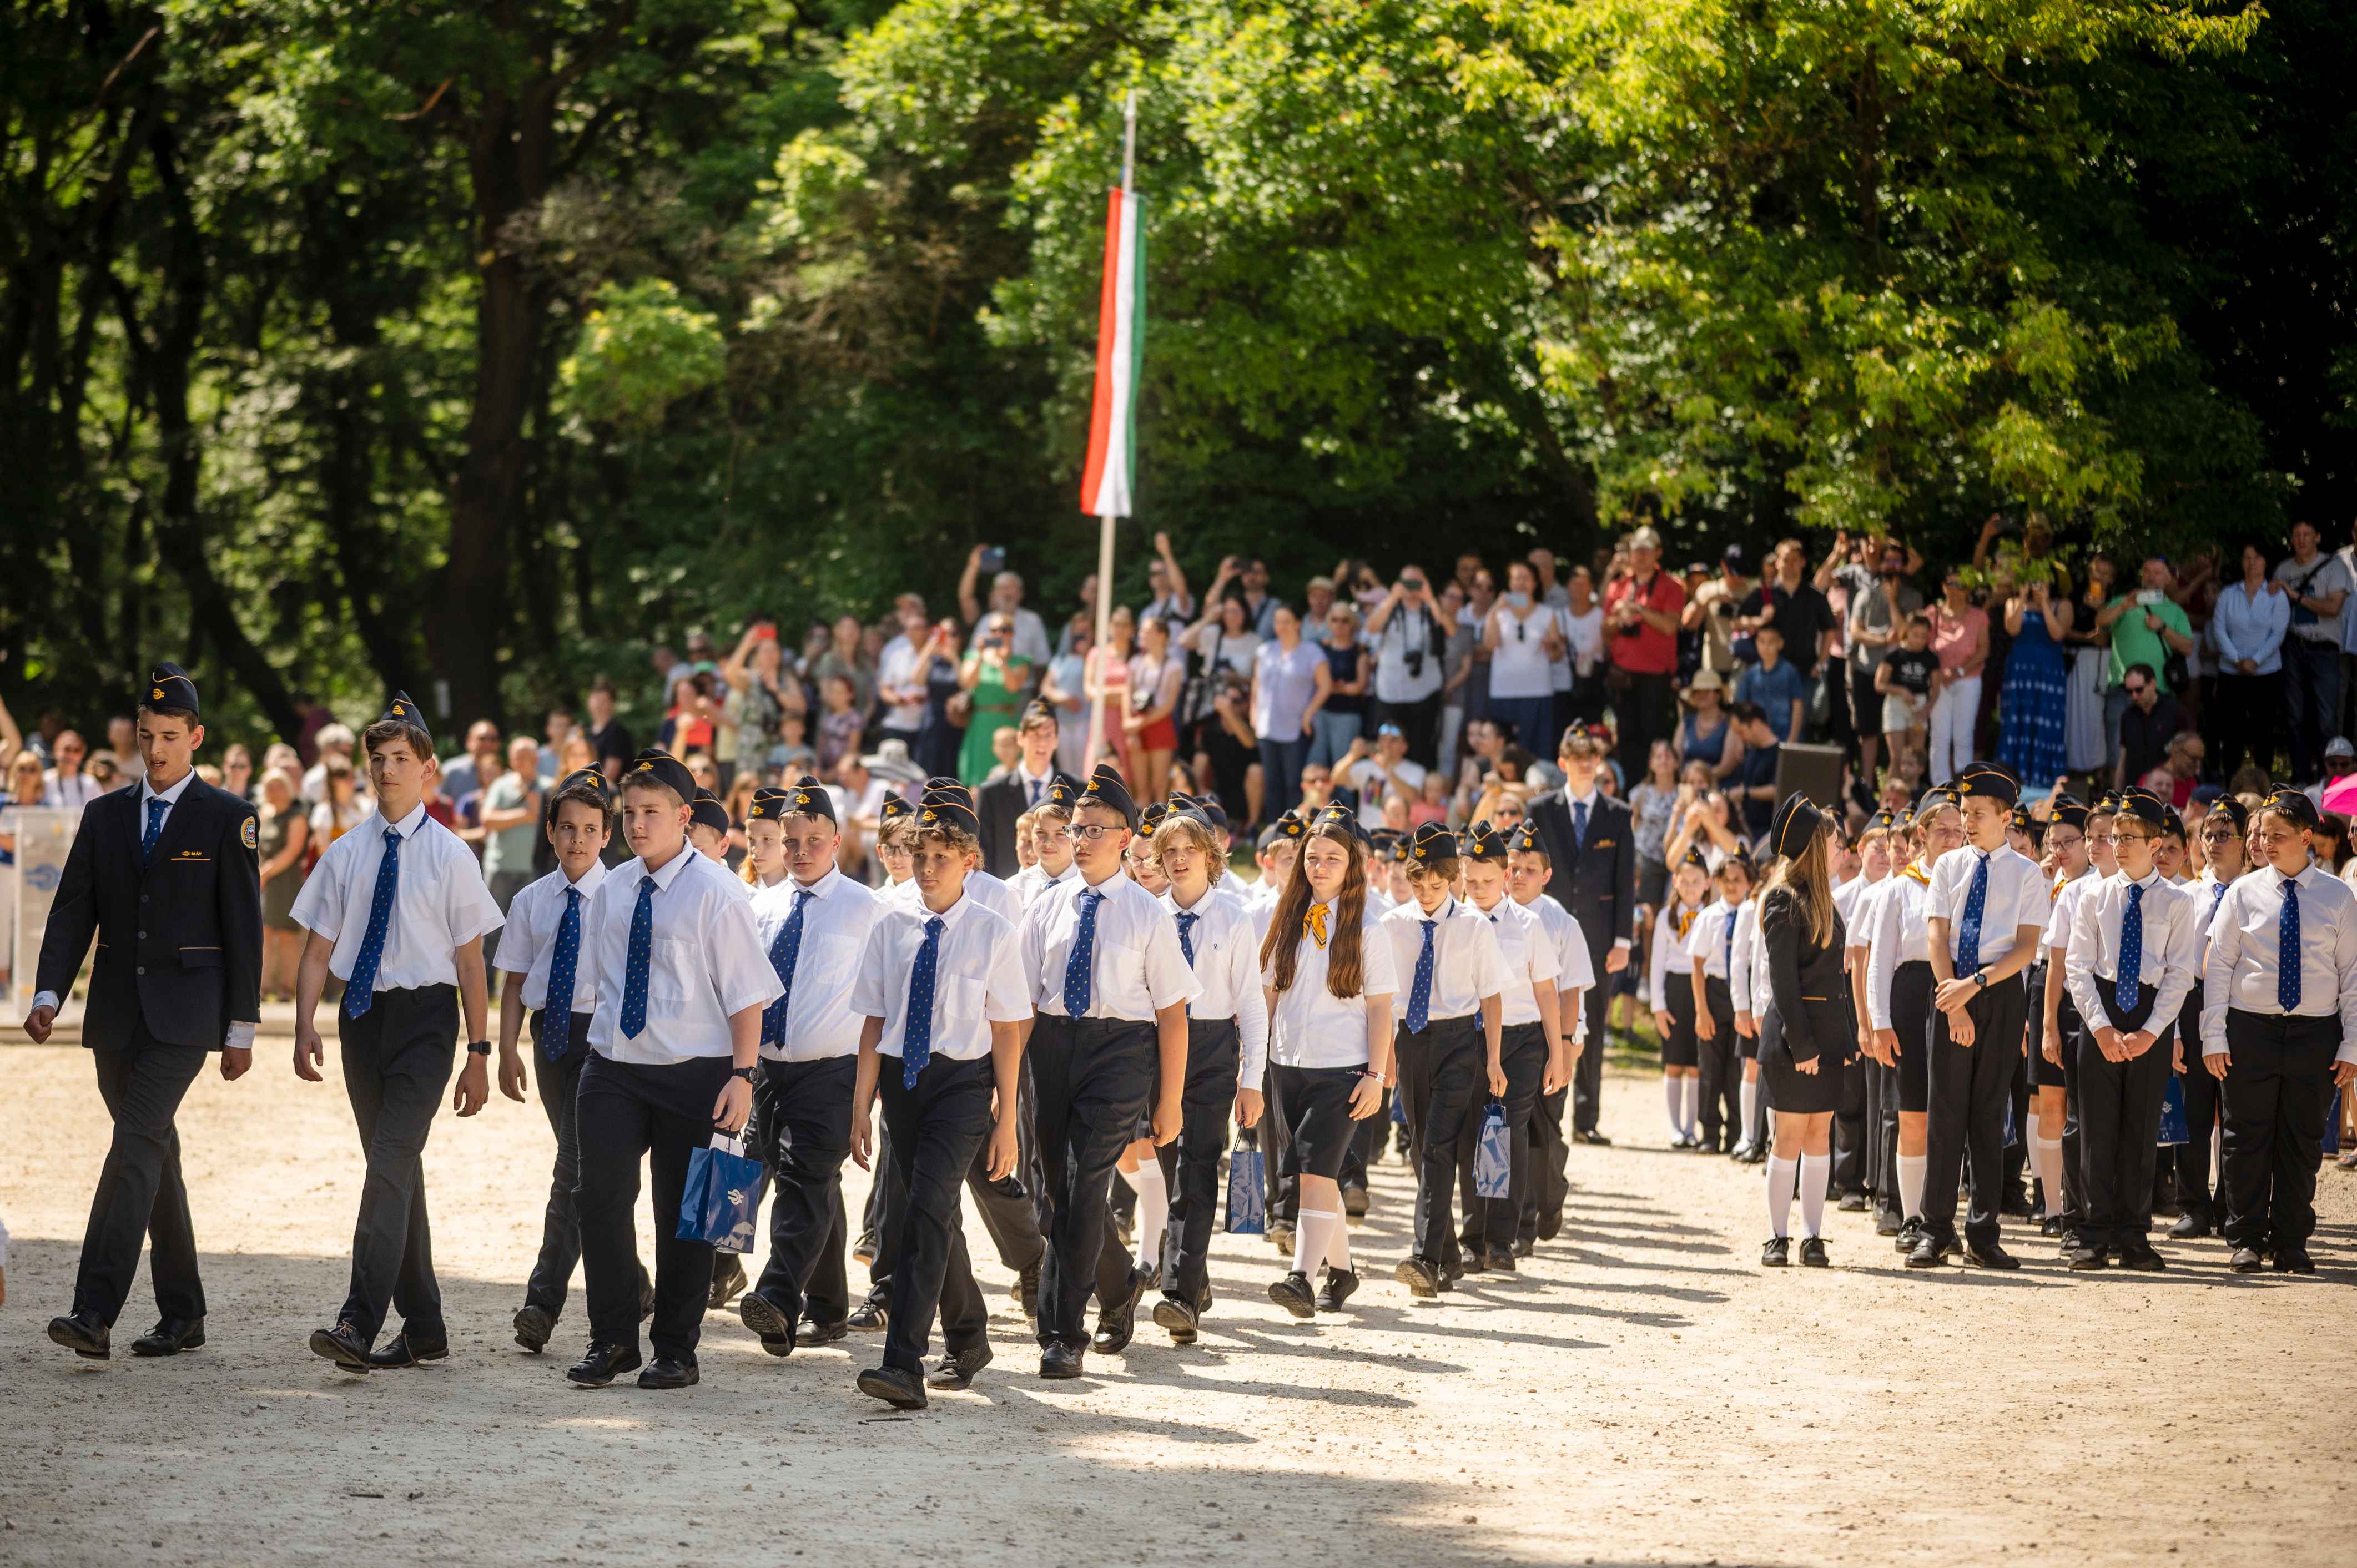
[639, 962]
[1419, 992]
[1968, 930]
[361, 988]
[1727, 945]
[782, 955]
[564, 964]
[2217, 893]
[156, 807]
[1187, 918]
[916, 1037]
[2130, 984]
[2287, 949]
[1579, 824]
[1078, 967]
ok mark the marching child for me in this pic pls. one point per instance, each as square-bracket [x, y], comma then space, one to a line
[2224, 838]
[1674, 1005]
[2070, 832]
[1529, 869]
[1710, 948]
[1531, 1020]
[1051, 838]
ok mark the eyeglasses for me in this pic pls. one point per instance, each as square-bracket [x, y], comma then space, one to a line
[2062, 841]
[2221, 834]
[1089, 833]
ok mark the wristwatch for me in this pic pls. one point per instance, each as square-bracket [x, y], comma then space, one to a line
[744, 1072]
[1980, 978]
[479, 1048]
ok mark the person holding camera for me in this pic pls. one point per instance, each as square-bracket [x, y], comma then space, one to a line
[2317, 584]
[1641, 612]
[1030, 638]
[1408, 632]
[2146, 627]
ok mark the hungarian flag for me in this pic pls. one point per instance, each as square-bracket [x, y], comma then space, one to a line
[1121, 340]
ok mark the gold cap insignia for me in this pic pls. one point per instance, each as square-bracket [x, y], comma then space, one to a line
[158, 695]
[930, 815]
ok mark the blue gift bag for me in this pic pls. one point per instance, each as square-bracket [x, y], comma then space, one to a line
[722, 1196]
[2172, 1113]
[1494, 1156]
[1247, 1193]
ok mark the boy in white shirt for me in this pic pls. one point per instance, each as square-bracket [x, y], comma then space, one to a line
[1530, 1019]
[397, 910]
[1051, 840]
[1710, 967]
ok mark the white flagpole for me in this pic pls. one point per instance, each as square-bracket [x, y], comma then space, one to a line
[1105, 524]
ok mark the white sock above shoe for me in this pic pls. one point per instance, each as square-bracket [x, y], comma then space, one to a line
[1153, 1211]
[1671, 1100]
[1750, 1105]
[1910, 1185]
[1780, 1196]
[1310, 1238]
[1816, 1171]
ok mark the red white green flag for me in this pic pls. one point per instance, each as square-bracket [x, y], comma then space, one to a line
[1121, 340]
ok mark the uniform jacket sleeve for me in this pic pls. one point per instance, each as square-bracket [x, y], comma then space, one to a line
[239, 888]
[1780, 932]
[73, 915]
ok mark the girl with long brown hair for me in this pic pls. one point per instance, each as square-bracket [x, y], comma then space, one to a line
[1329, 977]
[1806, 1035]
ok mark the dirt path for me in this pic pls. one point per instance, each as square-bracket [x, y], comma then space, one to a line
[1644, 1393]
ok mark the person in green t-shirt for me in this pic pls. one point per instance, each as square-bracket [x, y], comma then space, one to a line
[2146, 627]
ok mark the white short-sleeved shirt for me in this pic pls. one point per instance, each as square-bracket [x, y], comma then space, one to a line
[2171, 945]
[1529, 958]
[992, 892]
[528, 943]
[1028, 884]
[439, 903]
[1895, 934]
[1712, 941]
[1467, 964]
[1311, 1026]
[2016, 897]
[1135, 969]
[836, 915]
[2245, 939]
[1575, 971]
[978, 976]
[1669, 941]
[706, 966]
[1227, 963]
[1747, 980]
[2063, 909]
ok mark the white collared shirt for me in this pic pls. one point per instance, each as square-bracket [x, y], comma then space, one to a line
[170, 798]
[1135, 969]
[838, 914]
[1669, 938]
[439, 901]
[706, 967]
[2244, 940]
[1529, 958]
[1310, 1025]
[992, 892]
[2171, 945]
[1028, 884]
[1575, 971]
[1227, 962]
[1468, 965]
[1750, 978]
[1711, 942]
[2208, 894]
[528, 945]
[2062, 912]
[2016, 897]
[1896, 934]
[978, 976]
[1034, 785]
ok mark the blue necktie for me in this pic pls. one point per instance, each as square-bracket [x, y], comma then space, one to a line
[2130, 984]
[782, 955]
[1187, 918]
[1579, 824]
[2287, 949]
[1419, 994]
[917, 1036]
[1077, 968]
[564, 964]
[639, 959]
[156, 807]
[361, 988]
[1968, 930]
[2216, 894]
[1726, 946]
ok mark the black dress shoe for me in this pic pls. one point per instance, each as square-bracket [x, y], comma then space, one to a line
[2050, 1226]
[957, 1371]
[2086, 1260]
[896, 1386]
[1423, 1279]
[1812, 1253]
[1117, 1319]
[2245, 1260]
[1775, 1252]
[812, 1333]
[1340, 1285]
[1929, 1252]
[603, 1364]
[171, 1338]
[1756, 1156]
[2191, 1226]
[2294, 1260]
[669, 1372]
[727, 1281]
[1990, 1257]
[402, 1350]
[1910, 1233]
[766, 1318]
[1886, 1223]
[1524, 1246]
[533, 1327]
[1852, 1203]
[1354, 1202]
[1502, 1260]
[872, 1316]
[85, 1336]
[2141, 1259]
[1027, 1290]
[1475, 1259]
[342, 1345]
[1059, 1361]
[1450, 1274]
[1179, 1317]
[1593, 1136]
[1293, 1294]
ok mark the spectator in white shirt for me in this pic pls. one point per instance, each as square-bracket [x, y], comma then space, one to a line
[66, 786]
[1031, 645]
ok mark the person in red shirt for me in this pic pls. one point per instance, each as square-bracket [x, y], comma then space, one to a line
[1640, 622]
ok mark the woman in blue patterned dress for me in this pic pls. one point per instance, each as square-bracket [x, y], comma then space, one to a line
[2033, 716]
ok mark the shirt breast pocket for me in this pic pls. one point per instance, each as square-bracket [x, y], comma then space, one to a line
[671, 971]
[961, 1005]
[830, 961]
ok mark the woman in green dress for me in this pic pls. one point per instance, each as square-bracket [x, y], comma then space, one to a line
[996, 681]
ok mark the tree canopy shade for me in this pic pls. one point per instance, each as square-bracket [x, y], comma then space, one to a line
[469, 348]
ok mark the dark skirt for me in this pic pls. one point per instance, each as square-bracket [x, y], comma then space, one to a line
[1788, 1089]
[1910, 1019]
[1679, 1046]
[1314, 1103]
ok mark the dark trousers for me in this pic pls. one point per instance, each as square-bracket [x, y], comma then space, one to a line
[1968, 1086]
[1010, 1214]
[1440, 1069]
[2311, 676]
[140, 1194]
[2201, 1095]
[663, 1114]
[2073, 1203]
[2119, 1124]
[1281, 762]
[1190, 1163]
[1849, 1146]
[2278, 1083]
[1647, 712]
[1586, 1092]
[560, 1228]
[934, 1128]
[805, 1112]
[1491, 1222]
[1882, 1137]
[1095, 1078]
[2247, 717]
[397, 1058]
[1721, 1067]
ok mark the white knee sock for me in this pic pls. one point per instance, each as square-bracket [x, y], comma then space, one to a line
[1153, 1209]
[1671, 1098]
[2050, 1171]
[1690, 1100]
[1780, 1196]
[1910, 1185]
[1751, 1106]
[1338, 1246]
[1816, 1170]
[1310, 1238]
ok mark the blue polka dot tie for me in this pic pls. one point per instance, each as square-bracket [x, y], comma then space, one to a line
[1419, 991]
[1968, 929]
[917, 1036]
[361, 988]
[1187, 918]
[1579, 824]
[783, 953]
[156, 807]
[1079, 967]
[2287, 949]
[2130, 984]
[564, 964]
[1726, 947]
[2217, 893]
[639, 962]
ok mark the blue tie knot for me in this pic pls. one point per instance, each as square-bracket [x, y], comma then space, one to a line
[639, 962]
[1079, 968]
[916, 1034]
[2130, 982]
[360, 990]
[564, 965]
[2287, 949]
[1419, 994]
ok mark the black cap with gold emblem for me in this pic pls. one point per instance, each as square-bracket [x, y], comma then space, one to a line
[656, 766]
[949, 809]
[401, 710]
[706, 811]
[169, 686]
